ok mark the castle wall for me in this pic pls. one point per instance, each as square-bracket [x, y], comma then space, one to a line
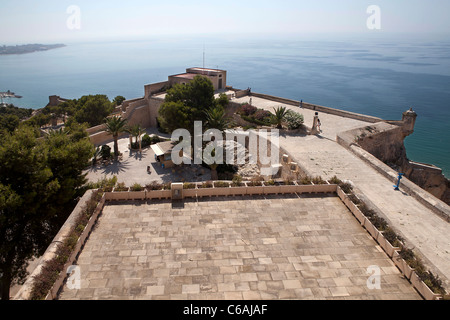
[154, 104]
[154, 88]
[385, 141]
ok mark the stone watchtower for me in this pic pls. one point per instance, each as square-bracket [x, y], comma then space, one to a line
[409, 121]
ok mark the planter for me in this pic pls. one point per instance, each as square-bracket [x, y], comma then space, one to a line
[158, 194]
[204, 192]
[189, 193]
[347, 201]
[422, 288]
[407, 270]
[220, 191]
[371, 228]
[53, 292]
[166, 194]
[357, 213]
[255, 190]
[109, 196]
[136, 195]
[402, 265]
[341, 194]
[120, 195]
[154, 194]
[288, 189]
[329, 188]
[324, 188]
[273, 189]
[238, 191]
[387, 246]
[305, 188]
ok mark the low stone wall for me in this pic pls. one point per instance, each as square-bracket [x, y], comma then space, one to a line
[276, 99]
[424, 197]
[155, 88]
[101, 138]
[96, 129]
[341, 113]
[426, 182]
[25, 291]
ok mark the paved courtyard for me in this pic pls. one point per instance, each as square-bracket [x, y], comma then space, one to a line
[280, 247]
[133, 167]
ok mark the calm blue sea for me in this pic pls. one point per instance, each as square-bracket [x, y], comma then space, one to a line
[377, 75]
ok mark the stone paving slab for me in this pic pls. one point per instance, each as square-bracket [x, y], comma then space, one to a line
[242, 248]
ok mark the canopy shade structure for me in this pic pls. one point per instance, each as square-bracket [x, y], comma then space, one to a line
[157, 150]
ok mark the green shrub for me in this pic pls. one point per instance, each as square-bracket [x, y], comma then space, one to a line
[155, 139]
[318, 180]
[305, 180]
[146, 141]
[433, 282]
[154, 186]
[121, 187]
[289, 181]
[392, 237]
[106, 152]
[293, 119]
[378, 222]
[136, 187]
[256, 121]
[221, 184]
[188, 185]
[335, 180]
[105, 184]
[206, 184]
[346, 187]
[236, 181]
[256, 181]
[353, 198]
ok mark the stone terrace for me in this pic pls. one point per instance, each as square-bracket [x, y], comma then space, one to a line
[321, 155]
[283, 247]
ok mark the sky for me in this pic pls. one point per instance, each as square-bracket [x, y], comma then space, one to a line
[45, 21]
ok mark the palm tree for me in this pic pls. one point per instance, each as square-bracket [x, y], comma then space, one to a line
[115, 126]
[278, 117]
[216, 119]
[136, 131]
[97, 153]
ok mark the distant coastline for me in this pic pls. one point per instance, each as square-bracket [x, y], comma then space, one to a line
[28, 48]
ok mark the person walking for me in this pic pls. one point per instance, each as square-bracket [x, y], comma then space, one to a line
[318, 125]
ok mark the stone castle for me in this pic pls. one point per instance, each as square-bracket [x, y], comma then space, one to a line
[383, 138]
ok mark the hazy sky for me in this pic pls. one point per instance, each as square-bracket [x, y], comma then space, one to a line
[43, 21]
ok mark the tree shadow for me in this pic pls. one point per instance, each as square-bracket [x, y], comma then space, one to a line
[116, 167]
[138, 155]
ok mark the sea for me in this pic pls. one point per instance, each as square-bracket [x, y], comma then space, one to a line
[374, 74]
